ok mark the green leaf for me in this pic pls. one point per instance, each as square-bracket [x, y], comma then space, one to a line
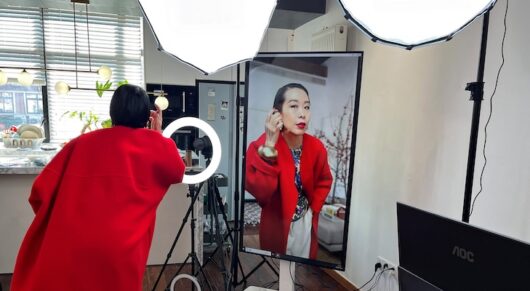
[122, 83]
[106, 123]
[100, 88]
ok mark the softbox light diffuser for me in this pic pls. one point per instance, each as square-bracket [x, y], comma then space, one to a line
[208, 34]
[410, 23]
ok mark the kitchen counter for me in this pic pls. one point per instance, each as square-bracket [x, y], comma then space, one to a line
[24, 161]
[17, 174]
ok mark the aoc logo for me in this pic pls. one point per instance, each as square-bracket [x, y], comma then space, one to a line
[464, 254]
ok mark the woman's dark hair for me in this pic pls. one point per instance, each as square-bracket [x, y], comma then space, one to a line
[129, 106]
[280, 95]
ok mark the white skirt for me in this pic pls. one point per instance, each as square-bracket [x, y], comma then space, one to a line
[299, 240]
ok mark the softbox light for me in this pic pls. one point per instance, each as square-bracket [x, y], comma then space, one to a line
[208, 34]
[410, 23]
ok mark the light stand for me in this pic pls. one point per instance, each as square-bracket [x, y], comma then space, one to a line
[477, 94]
[214, 201]
[238, 224]
[194, 193]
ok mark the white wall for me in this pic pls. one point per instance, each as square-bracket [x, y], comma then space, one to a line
[302, 35]
[414, 135]
[276, 40]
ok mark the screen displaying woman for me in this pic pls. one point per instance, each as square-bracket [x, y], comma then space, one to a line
[288, 174]
[299, 140]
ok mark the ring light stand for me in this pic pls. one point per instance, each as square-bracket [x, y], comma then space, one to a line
[195, 183]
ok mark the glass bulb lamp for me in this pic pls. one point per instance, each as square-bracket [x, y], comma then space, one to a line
[25, 78]
[3, 78]
[105, 72]
[62, 88]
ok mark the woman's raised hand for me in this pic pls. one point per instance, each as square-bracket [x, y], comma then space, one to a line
[273, 127]
[155, 119]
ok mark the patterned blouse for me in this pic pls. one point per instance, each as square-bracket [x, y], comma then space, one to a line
[302, 204]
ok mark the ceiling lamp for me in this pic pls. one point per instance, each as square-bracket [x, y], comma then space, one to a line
[3, 78]
[25, 78]
[62, 88]
[162, 102]
[410, 23]
[208, 35]
[105, 72]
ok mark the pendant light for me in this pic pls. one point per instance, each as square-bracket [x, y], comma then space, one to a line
[61, 87]
[162, 102]
[25, 78]
[105, 72]
[3, 78]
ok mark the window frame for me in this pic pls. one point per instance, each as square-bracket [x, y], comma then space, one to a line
[4, 102]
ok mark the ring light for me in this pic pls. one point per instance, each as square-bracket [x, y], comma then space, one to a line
[214, 138]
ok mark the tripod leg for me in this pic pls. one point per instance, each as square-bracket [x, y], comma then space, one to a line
[232, 239]
[272, 268]
[218, 234]
[223, 212]
[182, 265]
[244, 279]
[201, 267]
[194, 194]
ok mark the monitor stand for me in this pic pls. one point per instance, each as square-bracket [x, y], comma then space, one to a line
[286, 279]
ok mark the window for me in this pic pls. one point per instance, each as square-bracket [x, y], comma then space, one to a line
[30, 36]
[33, 103]
[6, 102]
[20, 105]
[21, 46]
[115, 41]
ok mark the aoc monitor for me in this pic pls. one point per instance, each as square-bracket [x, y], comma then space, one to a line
[299, 138]
[439, 253]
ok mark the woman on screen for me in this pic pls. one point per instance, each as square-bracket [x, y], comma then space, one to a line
[287, 172]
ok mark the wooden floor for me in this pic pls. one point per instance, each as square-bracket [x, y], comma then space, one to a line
[309, 277]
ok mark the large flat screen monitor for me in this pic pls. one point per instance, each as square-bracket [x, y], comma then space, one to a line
[299, 135]
[439, 253]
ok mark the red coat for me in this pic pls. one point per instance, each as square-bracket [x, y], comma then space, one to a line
[274, 188]
[95, 205]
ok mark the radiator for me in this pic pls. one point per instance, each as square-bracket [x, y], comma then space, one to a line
[330, 39]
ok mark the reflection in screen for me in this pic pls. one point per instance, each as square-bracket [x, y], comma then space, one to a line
[299, 136]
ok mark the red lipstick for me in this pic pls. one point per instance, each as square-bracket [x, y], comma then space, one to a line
[301, 125]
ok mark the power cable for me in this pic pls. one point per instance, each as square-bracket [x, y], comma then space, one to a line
[379, 277]
[377, 267]
[490, 113]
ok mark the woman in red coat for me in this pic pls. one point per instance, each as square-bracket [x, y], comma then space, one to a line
[287, 172]
[95, 203]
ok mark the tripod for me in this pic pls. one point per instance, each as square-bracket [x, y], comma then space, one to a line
[194, 193]
[214, 202]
